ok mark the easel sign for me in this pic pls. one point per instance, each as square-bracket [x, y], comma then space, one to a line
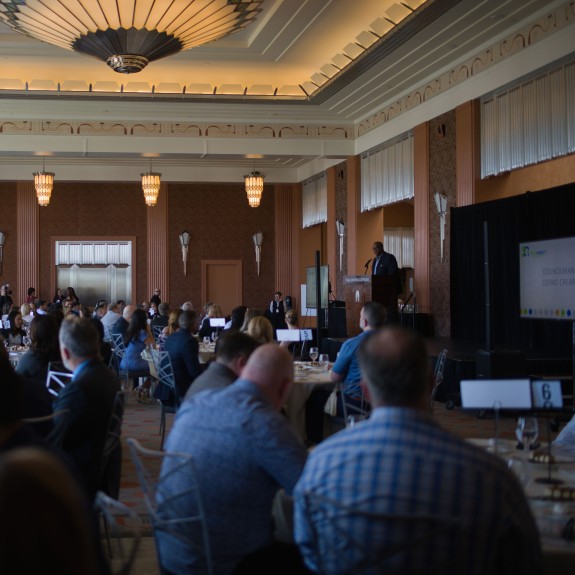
[547, 395]
[496, 394]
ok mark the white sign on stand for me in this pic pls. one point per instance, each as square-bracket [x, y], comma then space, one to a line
[496, 393]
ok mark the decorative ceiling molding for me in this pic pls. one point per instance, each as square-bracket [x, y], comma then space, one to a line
[536, 31]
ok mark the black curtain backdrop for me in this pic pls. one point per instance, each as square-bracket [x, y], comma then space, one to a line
[533, 216]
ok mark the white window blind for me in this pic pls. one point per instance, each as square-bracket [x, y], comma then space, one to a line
[93, 253]
[529, 122]
[400, 243]
[314, 201]
[387, 173]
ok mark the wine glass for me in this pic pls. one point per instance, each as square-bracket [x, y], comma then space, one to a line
[527, 431]
[313, 353]
[324, 360]
[206, 340]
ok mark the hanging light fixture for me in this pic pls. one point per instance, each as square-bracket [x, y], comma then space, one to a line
[254, 188]
[128, 35]
[151, 186]
[43, 184]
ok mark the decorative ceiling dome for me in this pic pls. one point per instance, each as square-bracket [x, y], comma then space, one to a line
[128, 34]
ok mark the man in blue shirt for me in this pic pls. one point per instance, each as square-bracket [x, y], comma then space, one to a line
[397, 483]
[244, 451]
[346, 370]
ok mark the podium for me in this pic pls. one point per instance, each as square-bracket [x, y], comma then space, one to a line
[361, 289]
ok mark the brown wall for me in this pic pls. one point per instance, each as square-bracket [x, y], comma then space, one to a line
[530, 179]
[221, 225]
[8, 224]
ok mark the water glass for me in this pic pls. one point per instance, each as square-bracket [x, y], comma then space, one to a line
[206, 340]
[324, 360]
[313, 353]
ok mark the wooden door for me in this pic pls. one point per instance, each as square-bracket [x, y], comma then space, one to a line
[222, 283]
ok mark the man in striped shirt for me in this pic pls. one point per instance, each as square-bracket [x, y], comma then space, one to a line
[399, 480]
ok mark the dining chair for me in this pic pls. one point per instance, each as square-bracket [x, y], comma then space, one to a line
[165, 374]
[110, 462]
[122, 530]
[357, 540]
[118, 352]
[52, 427]
[156, 332]
[438, 376]
[57, 378]
[174, 503]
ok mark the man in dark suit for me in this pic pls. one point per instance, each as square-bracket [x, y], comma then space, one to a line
[384, 263]
[89, 397]
[183, 349]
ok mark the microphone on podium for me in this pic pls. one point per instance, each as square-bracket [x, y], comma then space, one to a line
[367, 265]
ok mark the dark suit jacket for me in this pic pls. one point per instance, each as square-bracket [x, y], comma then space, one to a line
[90, 398]
[183, 349]
[385, 265]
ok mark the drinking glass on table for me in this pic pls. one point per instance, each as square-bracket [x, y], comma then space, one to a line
[313, 353]
[527, 431]
[324, 360]
[206, 340]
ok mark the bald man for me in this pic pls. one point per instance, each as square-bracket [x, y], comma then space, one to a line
[122, 323]
[244, 451]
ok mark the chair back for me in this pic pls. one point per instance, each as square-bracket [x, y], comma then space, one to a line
[119, 346]
[438, 375]
[157, 332]
[122, 528]
[174, 503]
[56, 423]
[57, 378]
[165, 372]
[360, 541]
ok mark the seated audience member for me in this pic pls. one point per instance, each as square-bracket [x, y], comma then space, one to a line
[58, 297]
[183, 349]
[171, 328]
[71, 295]
[205, 329]
[346, 369]
[31, 295]
[136, 339]
[291, 319]
[44, 348]
[109, 319]
[187, 306]
[122, 323]
[244, 452]
[236, 318]
[146, 307]
[234, 349]
[27, 315]
[47, 523]
[260, 328]
[162, 317]
[89, 397]
[153, 311]
[14, 334]
[400, 462]
[251, 312]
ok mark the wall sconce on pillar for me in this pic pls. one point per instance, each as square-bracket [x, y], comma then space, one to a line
[340, 226]
[2, 240]
[441, 205]
[258, 238]
[185, 241]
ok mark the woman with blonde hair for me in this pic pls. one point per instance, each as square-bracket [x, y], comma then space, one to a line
[214, 311]
[260, 328]
[171, 328]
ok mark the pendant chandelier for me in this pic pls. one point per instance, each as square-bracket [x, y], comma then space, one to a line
[43, 184]
[254, 188]
[151, 186]
[128, 34]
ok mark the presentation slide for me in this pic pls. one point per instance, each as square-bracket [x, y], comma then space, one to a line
[547, 279]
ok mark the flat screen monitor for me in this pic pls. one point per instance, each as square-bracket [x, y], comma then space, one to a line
[547, 279]
[311, 287]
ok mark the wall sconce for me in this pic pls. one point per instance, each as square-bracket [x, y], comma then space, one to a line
[258, 238]
[2, 240]
[185, 241]
[340, 226]
[441, 204]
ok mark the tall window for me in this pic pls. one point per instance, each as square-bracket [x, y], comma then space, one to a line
[528, 122]
[387, 173]
[314, 201]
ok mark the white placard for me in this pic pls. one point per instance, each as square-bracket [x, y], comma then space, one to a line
[217, 322]
[547, 394]
[287, 334]
[496, 393]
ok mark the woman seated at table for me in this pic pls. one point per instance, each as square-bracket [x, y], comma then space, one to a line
[14, 334]
[260, 328]
[171, 328]
[291, 319]
[44, 348]
[206, 330]
[138, 336]
[251, 312]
